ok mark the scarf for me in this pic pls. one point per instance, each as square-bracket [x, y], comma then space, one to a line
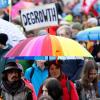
[13, 88]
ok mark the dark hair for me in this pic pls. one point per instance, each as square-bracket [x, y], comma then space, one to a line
[88, 66]
[54, 88]
[45, 97]
[57, 63]
[3, 38]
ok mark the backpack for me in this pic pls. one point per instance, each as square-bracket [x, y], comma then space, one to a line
[79, 89]
[68, 85]
[31, 74]
[69, 88]
[78, 86]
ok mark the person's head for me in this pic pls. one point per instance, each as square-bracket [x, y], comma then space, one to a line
[45, 97]
[11, 72]
[90, 70]
[89, 74]
[53, 88]
[41, 64]
[54, 68]
[83, 43]
[42, 32]
[77, 18]
[69, 18]
[84, 17]
[3, 40]
[92, 22]
[76, 27]
[64, 31]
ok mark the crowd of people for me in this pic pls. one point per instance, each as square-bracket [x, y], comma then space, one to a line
[53, 85]
[73, 78]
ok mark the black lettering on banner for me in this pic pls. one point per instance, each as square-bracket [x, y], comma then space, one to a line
[44, 15]
[24, 19]
[54, 14]
[41, 16]
[48, 13]
[32, 17]
[28, 18]
[36, 17]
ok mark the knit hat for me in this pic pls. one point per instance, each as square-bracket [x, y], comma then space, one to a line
[68, 18]
[77, 26]
[12, 66]
[3, 38]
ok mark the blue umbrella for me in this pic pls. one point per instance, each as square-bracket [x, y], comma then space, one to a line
[89, 34]
[77, 9]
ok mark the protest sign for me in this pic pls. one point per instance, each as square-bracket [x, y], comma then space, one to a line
[39, 17]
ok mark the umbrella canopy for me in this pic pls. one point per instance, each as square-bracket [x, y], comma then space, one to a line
[48, 45]
[18, 6]
[77, 9]
[89, 34]
[14, 33]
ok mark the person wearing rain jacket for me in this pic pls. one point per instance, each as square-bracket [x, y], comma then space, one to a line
[69, 91]
[40, 73]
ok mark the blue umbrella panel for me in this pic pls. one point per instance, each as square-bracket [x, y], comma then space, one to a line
[89, 34]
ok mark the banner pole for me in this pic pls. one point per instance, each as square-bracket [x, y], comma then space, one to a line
[10, 8]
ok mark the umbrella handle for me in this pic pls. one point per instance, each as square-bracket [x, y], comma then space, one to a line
[57, 59]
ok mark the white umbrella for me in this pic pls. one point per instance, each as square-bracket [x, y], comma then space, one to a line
[15, 35]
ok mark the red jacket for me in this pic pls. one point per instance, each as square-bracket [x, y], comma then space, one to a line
[73, 93]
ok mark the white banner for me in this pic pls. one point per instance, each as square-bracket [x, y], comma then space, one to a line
[39, 17]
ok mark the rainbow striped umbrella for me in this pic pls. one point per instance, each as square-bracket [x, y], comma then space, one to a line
[48, 45]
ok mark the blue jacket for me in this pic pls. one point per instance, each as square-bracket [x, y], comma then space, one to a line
[38, 77]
